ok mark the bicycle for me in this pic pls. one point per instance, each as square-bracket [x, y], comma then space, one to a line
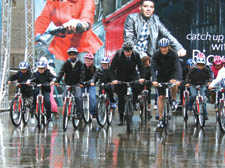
[105, 111]
[40, 110]
[221, 110]
[69, 105]
[185, 103]
[19, 109]
[129, 109]
[198, 108]
[167, 102]
[85, 97]
[143, 101]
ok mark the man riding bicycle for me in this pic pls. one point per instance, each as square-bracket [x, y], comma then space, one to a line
[165, 68]
[123, 68]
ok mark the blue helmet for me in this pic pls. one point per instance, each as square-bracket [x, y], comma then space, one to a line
[23, 65]
[41, 64]
[105, 60]
[164, 42]
[190, 62]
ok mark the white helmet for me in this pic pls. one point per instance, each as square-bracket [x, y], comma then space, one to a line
[105, 60]
[23, 65]
[41, 64]
[200, 58]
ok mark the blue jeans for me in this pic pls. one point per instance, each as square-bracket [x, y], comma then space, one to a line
[92, 98]
[193, 95]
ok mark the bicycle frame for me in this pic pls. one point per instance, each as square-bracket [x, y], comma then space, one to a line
[199, 98]
[68, 98]
[185, 94]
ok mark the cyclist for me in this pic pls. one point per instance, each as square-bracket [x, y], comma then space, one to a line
[217, 65]
[165, 68]
[123, 68]
[198, 75]
[42, 76]
[102, 75]
[146, 62]
[90, 69]
[22, 76]
[73, 72]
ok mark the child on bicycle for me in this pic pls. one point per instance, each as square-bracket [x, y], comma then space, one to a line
[22, 76]
[43, 76]
[89, 69]
[102, 76]
[198, 75]
[217, 65]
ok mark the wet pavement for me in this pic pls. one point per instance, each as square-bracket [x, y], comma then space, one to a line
[183, 145]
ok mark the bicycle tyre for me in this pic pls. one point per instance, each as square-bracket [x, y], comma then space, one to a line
[75, 121]
[14, 110]
[86, 110]
[129, 113]
[26, 113]
[195, 115]
[101, 113]
[201, 116]
[44, 120]
[221, 116]
[109, 114]
[65, 116]
[141, 105]
[39, 107]
[145, 108]
[185, 109]
[166, 113]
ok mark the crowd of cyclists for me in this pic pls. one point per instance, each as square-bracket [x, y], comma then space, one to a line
[126, 66]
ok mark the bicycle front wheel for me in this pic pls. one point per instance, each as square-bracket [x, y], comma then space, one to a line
[101, 113]
[185, 109]
[26, 114]
[201, 116]
[195, 114]
[65, 116]
[39, 110]
[86, 110]
[109, 114]
[75, 120]
[16, 112]
[129, 114]
[222, 116]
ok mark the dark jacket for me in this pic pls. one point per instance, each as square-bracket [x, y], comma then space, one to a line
[133, 26]
[198, 77]
[101, 76]
[22, 78]
[89, 72]
[123, 70]
[148, 74]
[73, 75]
[45, 77]
[165, 67]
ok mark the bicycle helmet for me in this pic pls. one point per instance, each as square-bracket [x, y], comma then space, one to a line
[223, 60]
[164, 42]
[105, 60]
[72, 49]
[41, 64]
[128, 46]
[200, 58]
[44, 59]
[217, 60]
[89, 56]
[190, 62]
[23, 65]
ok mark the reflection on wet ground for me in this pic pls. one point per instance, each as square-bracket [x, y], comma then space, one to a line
[182, 145]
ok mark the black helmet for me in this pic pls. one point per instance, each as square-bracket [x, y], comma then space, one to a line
[128, 45]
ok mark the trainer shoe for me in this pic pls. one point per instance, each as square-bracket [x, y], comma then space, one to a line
[155, 107]
[160, 124]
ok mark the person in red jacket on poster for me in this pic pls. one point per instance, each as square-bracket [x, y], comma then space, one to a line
[69, 14]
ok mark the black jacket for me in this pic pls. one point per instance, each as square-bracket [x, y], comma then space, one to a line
[165, 67]
[89, 72]
[101, 76]
[22, 78]
[43, 78]
[198, 77]
[123, 70]
[73, 75]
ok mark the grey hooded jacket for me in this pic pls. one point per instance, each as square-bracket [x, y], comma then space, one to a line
[133, 26]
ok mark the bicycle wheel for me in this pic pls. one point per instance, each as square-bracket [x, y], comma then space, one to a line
[195, 114]
[145, 108]
[26, 112]
[39, 109]
[86, 110]
[166, 114]
[129, 113]
[75, 121]
[44, 120]
[16, 112]
[109, 114]
[65, 115]
[201, 116]
[185, 109]
[221, 116]
[101, 113]
[141, 105]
